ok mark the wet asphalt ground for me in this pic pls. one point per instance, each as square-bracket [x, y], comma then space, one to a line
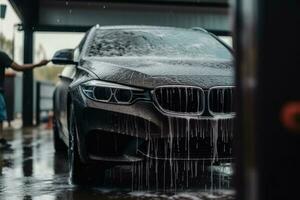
[32, 170]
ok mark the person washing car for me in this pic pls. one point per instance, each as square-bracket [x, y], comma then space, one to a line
[6, 62]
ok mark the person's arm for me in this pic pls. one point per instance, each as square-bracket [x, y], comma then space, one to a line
[24, 67]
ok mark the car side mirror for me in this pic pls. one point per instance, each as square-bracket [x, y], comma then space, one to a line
[64, 57]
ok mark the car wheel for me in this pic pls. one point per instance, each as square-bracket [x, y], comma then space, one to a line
[81, 173]
[59, 145]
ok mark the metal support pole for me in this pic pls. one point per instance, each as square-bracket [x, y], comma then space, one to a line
[27, 113]
[267, 36]
[38, 104]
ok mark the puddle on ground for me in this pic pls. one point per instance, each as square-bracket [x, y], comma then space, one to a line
[33, 171]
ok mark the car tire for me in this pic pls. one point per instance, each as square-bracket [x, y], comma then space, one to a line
[59, 145]
[81, 173]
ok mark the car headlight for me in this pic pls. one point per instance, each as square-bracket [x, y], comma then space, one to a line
[113, 93]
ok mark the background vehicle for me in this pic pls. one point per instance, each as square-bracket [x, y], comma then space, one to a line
[131, 93]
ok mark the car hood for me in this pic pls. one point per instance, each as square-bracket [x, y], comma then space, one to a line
[153, 72]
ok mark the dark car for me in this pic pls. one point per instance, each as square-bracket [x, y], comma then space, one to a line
[134, 93]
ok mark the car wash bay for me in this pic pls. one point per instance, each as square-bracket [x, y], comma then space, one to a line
[33, 170]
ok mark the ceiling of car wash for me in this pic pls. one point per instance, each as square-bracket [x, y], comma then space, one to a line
[79, 15]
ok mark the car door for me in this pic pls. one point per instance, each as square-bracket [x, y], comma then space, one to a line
[61, 93]
[66, 78]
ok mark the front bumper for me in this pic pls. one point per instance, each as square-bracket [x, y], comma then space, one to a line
[130, 133]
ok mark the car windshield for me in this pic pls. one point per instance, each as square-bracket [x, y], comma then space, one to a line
[173, 43]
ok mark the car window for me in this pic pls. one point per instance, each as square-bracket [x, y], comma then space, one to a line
[82, 42]
[150, 42]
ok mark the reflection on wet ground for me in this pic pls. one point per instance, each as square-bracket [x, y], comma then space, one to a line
[33, 171]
